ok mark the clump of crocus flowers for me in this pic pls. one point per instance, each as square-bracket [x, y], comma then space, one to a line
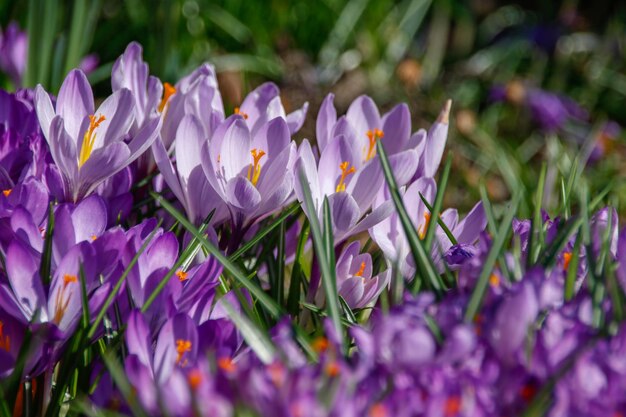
[164, 255]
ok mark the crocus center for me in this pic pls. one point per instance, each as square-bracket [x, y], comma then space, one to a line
[62, 300]
[194, 378]
[254, 170]
[424, 227]
[373, 136]
[378, 410]
[346, 170]
[7, 192]
[89, 139]
[452, 406]
[239, 112]
[320, 344]
[5, 341]
[359, 273]
[332, 369]
[182, 275]
[494, 281]
[567, 257]
[527, 392]
[168, 91]
[226, 365]
[182, 346]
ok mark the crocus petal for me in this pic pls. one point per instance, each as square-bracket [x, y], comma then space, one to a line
[436, 143]
[102, 164]
[345, 211]
[326, 119]
[138, 338]
[119, 112]
[143, 139]
[166, 168]
[23, 274]
[363, 115]
[235, 149]
[306, 169]
[45, 111]
[468, 230]
[63, 150]
[272, 138]
[338, 151]
[89, 218]
[296, 119]
[396, 126]
[241, 194]
[365, 184]
[75, 101]
[189, 141]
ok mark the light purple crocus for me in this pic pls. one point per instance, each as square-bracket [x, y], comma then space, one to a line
[13, 52]
[390, 237]
[355, 282]
[252, 173]
[89, 145]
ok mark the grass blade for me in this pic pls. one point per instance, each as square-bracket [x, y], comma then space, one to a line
[268, 303]
[423, 261]
[436, 208]
[496, 247]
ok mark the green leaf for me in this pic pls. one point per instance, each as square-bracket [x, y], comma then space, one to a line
[496, 247]
[267, 302]
[435, 210]
[46, 257]
[572, 270]
[423, 261]
[297, 275]
[535, 238]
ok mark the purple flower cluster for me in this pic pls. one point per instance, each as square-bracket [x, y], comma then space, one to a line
[88, 270]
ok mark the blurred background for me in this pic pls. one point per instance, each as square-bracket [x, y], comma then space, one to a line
[532, 82]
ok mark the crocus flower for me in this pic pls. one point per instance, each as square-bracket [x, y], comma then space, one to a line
[355, 282]
[13, 52]
[88, 146]
[250, 172]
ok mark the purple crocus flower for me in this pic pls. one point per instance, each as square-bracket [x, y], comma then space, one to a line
[13, 52]
[187, 179]
[355, 282]
[88, 146]
[250, 172]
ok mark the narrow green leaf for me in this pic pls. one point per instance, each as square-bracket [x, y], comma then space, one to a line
[496, 247]
[297, 275]
[46, 257]
[423, 261]
[440, 222]
[572, 269]
[268, 303]
[535, 238]
[121, 381]
[436, 208]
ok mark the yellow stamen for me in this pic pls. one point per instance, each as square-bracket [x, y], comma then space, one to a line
[373, 136]
[239, 112]
[182, 276]
[182, 347]
[254, 170]
[89, 139]
[168, 91]
[7, 192]
[61, 302]
[567, 257]
[93, 237]
[345, 171]
[5, 341]
[359, 273]
[424, 227]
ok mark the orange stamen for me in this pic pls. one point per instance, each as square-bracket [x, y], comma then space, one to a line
[89, 139]
[61, 302]
[182, 276]
[254, 170]
[373, 136]
[320, 344]
[452, 406]
[194, 378]
[494, 281]
[359, 273]
[567, 257]
[5, 341]
[332, 369]
[182, 347]
[168, 91]
[424, 227]
[7, 192]
[346, 170]
[239, 112]
[527, 392]
[226, 365]
[378, 410]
